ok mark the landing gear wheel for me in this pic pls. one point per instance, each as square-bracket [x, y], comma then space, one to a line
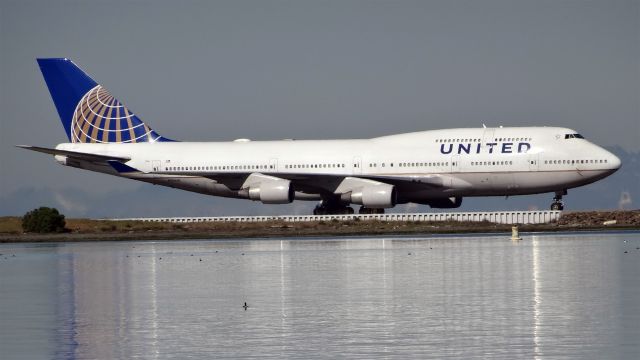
[557, 206]
[335, 209]
[346, 210]
[366, 210]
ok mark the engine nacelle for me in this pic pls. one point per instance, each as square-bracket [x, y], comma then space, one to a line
[277, 191]
[448, 203]
[375, 196]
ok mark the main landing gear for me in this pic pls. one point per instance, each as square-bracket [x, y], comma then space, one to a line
[335, 207]
[331, 208]
[557, 201]
[365, 210]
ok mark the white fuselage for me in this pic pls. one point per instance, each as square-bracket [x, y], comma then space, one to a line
[422, 166]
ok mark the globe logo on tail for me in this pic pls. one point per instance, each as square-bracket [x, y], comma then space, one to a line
[101, 118]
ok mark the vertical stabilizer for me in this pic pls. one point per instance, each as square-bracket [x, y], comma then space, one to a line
[89, 113]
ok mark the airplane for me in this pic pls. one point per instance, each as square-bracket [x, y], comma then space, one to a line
[436, 167]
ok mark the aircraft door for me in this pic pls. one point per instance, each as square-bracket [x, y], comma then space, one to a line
[534, 162]
[357, 166]
[455, 163]
[155, 165]
[273, 165]
[487, 136]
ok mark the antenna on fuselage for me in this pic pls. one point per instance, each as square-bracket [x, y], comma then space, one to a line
[484, 126]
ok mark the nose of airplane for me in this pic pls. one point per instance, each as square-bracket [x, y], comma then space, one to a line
[614, 162]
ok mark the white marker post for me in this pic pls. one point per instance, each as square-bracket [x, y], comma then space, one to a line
[514, 233]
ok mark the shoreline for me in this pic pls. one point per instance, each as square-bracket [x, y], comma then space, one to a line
[85, 230]
[29, 238]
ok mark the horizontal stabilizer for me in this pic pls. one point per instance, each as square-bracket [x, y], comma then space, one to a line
[74, 154]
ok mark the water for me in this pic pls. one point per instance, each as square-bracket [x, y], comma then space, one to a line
[548, 296]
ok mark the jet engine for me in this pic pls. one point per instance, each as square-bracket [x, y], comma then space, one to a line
[375, 196]
[276, 191]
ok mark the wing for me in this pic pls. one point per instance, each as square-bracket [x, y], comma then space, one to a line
[330, 183]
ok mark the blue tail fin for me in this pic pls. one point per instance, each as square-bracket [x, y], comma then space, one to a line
[88, 112]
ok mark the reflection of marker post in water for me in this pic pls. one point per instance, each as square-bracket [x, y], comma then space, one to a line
[514, 233]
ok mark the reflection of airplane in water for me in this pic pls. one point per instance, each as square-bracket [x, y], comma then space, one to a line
[436, 168]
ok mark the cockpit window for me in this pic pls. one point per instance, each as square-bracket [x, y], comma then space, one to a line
[573, 136]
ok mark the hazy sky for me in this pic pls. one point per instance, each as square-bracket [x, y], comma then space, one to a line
[220, 70]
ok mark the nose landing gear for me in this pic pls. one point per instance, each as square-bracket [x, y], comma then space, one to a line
[557, 201]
